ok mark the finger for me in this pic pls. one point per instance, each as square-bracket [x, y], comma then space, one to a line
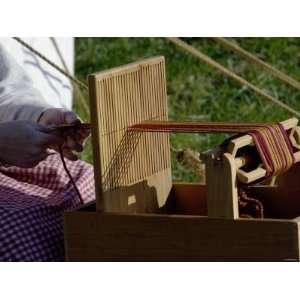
[50, 129]
[64, 149]
[53, 152]
[44, 128]
[84, 133]
[49, 140]
[73, 145]
[69, 154]
[79, 139]
[71, 118]
[74, 139]
[42, 156]
[71, 132]
[54, 148]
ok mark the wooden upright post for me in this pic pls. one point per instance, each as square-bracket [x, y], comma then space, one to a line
[222, 194]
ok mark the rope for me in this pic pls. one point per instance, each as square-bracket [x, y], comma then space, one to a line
[52, 64]
[75, 86]
[70, 176]
[252, 58]
[203, 57]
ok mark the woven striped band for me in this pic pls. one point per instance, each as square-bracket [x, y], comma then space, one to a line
[274, 148]
[271, 140]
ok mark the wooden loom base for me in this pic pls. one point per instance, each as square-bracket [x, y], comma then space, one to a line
[171, 235]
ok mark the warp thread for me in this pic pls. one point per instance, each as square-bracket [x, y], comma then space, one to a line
[271, 140]
[60, 128]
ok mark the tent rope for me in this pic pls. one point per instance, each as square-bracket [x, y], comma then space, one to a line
[253, 58]
[52, 64]
[203, 57]
[78, 93]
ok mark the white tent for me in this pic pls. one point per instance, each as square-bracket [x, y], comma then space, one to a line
[55, 87]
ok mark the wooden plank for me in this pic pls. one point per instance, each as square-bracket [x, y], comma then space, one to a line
[222, 195]
[190, 198]
[145, 196]
[93, 236]
[127, 162]
[95, 125]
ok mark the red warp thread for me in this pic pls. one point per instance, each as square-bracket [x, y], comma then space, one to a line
[271, 140]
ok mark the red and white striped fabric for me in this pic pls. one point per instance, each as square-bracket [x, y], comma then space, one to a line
[32, 202]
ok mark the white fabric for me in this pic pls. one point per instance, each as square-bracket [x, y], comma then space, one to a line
[19, 100]
[54, 87]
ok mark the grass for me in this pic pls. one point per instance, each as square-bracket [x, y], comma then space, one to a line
[195, 90]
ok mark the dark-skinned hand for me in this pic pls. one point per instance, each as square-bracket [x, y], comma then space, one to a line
[73, 138]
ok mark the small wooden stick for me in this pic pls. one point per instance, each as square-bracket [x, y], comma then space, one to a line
[68, 126]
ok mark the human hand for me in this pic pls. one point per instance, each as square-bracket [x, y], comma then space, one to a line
[73, 138]
[25, 143]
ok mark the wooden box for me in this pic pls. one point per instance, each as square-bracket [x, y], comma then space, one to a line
[172, 236]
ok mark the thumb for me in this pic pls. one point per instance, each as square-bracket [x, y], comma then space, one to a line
[71, 118]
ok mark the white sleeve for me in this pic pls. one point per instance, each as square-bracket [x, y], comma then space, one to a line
[19, 100]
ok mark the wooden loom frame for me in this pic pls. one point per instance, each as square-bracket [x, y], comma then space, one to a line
[121, 230]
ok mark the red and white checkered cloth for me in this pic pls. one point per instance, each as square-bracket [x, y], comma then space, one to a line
[32, 202]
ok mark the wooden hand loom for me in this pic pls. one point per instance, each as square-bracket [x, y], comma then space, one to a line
[140, 212]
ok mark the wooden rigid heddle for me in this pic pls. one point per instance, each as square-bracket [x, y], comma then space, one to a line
[132, 169]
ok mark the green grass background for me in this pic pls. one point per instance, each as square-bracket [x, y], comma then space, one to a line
[197, 91]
